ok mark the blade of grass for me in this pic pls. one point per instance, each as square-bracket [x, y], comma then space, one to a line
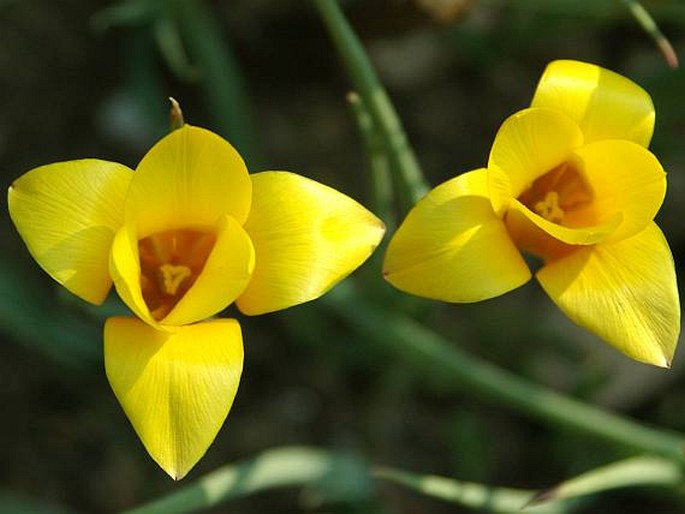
[343, 476]
[379, 165]
[221, 80]
[470, 494]
[647, 22]
[645, 470]
[409, 177]
[411, 340]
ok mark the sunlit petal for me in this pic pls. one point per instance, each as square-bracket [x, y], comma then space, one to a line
[225, 275]
[307, 237]
[625, 292]
[625, 178]
[176, 388]
[67, 213]
[573, 236]
[528, 144]
[452, 247]
[188, 179]
[603, 103]
[124, 267]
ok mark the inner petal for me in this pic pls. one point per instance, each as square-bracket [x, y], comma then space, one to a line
[170, 263]
[557, 213]
[562, 196]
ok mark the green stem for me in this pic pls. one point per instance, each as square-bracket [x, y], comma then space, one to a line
[647, 22]
[221, 79]
[469, 494]
[381, 181]
[405, 336]
[412, 184]
[343, 476]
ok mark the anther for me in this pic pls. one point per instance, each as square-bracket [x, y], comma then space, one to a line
[172, 277]
[549, 208]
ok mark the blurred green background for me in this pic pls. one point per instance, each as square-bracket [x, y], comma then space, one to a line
[91, 79]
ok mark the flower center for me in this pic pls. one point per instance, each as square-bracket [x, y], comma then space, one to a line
[561, 196]
[170, 262]
[549, 208]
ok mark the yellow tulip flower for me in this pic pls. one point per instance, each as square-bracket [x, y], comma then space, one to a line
[570, 181]
[182, 237]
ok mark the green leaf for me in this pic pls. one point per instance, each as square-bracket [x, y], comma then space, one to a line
[335, 477]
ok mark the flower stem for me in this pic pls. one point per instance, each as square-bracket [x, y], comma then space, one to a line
[342, 476]
[418, 343]
[379, 166]
[411, 182]
[647, 22]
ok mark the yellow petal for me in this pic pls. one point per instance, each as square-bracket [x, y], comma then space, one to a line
[528, 144]
[605, 104]
[67, 214]
[452, 247]
[572, 236]
[176, 388]
[225, 274]
[188, 179]
[124, 268]
[625, 178]
[307, 237]
[624, 292]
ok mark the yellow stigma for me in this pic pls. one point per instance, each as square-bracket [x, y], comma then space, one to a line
[549, 207]
[172, 277]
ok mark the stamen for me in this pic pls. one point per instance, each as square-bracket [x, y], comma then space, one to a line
[170, 262]
[549, 207]
[172, 277]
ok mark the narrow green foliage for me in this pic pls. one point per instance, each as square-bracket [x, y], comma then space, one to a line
[470, 494]
[647, 22]
[411, 340]
[336, 477]
[638, 471]
[406, 169]
[379, 163]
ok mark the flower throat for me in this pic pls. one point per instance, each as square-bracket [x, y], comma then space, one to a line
[170, 263]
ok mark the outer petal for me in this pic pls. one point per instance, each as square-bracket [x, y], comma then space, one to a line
[176, 388]
[67, 213]
[528, 144]
[188, 179]
[452, 247]
[307, 237]
[624, 292]
[226, 273]
[625, 178]
[604, 104]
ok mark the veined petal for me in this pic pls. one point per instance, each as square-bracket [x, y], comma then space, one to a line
[625, 292]
[124, 265]
[307, 237]
[625, 178]
[188, 180]
[453, 247]
[67, 214]
[224, 276]
[605, 104]
[176, 388]
[528, 144]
